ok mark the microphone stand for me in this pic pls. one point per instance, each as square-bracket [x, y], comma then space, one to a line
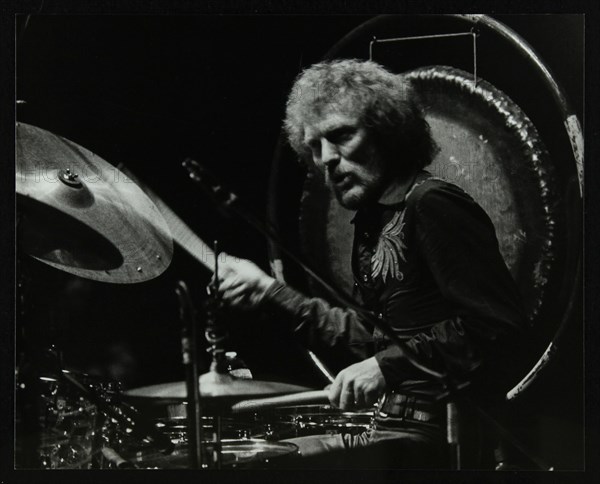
[226, 201]
[189, 351]
[217, 374]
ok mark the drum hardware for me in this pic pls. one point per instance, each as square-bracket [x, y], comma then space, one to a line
[231, 428]
[125, 415]
[215, 336]
[216, 389]
[189, 353]
[301, 420]
[64, 419]
[70, 429]
[39, 406]
[217, 375]
[306, 413]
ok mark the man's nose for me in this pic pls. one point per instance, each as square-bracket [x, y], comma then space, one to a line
[329, 153]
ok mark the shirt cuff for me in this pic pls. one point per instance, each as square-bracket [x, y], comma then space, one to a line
[281, 298]
[394, 366]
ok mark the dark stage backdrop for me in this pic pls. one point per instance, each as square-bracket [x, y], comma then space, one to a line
[149, 91]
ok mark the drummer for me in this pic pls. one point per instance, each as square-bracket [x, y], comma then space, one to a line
[425, 259]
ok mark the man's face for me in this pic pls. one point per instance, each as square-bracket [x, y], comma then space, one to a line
[346, 153]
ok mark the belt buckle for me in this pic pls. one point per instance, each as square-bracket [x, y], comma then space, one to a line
[401, 408]
[408, 408]
[394, 404]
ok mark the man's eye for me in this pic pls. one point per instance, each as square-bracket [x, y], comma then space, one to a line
[315, 147]
[340, 136]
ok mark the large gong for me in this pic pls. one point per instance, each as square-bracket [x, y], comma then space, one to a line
[520, 159]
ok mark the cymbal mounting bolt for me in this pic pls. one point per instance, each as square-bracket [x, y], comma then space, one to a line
[70, 178]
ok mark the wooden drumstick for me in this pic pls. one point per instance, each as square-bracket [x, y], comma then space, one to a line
[316, 396]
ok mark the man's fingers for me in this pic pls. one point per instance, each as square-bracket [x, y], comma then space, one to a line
[239, 302]
[360, 399]
[230, 284]
[335, 389]
[347, 395]
[373, 395]
[224, 269]
[236, 294]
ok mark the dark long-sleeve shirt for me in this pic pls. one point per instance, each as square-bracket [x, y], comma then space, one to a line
[432, 268]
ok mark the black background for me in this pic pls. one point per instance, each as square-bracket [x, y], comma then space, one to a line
[148, 91]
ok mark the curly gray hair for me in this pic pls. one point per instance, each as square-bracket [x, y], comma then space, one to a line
[384, 102]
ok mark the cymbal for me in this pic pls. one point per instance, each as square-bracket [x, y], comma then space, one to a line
[80, 214]
[234, 389]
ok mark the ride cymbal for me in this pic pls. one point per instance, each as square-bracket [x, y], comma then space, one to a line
[82, 215]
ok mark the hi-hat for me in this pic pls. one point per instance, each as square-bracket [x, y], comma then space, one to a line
[82, 215]
[234, 389]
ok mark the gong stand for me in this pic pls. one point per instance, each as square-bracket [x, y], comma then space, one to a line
[226, 202]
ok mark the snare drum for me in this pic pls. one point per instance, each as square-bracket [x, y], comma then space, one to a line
[301, 420]
[176, 428]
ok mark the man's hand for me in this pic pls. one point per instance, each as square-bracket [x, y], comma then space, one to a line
[357, 386]
[241, 282]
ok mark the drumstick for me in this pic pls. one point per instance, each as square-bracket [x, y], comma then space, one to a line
[181, 232]
[316, 396]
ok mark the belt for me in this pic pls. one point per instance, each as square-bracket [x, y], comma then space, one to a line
[400, 407]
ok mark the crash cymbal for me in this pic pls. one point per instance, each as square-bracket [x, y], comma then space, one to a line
[234, 389]
[82, 215]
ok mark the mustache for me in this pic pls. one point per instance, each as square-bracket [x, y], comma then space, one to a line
[338, 175]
